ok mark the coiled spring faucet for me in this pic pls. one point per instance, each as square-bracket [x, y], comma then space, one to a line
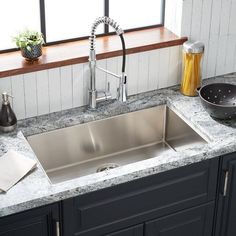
[94, 95]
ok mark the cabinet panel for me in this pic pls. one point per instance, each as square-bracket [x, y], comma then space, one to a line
[132, 231]
[195, 222]
[134, 202]
[36, 222]
[226, 213]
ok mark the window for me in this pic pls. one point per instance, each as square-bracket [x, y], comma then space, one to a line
[72, 19]
[136, 13]
[67, 19]
[24, 14]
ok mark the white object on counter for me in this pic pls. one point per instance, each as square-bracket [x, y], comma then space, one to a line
[13, 167]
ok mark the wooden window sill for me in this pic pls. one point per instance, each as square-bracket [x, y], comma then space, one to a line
[77, 52]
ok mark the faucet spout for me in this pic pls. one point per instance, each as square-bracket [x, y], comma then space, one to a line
[121, 91]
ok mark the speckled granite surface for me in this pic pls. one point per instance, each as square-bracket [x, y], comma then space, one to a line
[35, 190]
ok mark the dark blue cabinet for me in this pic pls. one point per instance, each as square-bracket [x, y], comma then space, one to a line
[226, 207]
[195, 221]
[131, 231]
[122, 206]
[36, 222]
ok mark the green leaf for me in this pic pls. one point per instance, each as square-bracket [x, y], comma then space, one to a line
[28, 38]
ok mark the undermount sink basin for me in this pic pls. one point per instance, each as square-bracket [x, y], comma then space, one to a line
[85, 149]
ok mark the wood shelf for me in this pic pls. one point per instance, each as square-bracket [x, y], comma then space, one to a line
[77, 52]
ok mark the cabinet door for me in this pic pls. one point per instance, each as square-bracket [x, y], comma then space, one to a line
[226, 213]
[132, 231]
[196, 221]
[36, 222]
[138, 201]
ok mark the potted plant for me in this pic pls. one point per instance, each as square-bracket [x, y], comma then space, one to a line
[30, 42]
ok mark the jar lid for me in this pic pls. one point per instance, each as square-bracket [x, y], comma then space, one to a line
[193, 47]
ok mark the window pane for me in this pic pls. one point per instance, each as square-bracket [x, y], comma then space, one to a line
[17, 16]
[136, 13]
[71, 18]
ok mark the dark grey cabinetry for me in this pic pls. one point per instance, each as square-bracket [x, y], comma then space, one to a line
[226, 207]
[131, 231]
[125, 205]
[195, 221]
[37, 222]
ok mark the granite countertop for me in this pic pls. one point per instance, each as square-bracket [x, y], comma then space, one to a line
[35, 189]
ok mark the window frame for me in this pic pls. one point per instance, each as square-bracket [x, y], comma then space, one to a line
[106, 27]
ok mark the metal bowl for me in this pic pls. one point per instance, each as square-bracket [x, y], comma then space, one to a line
[219, 100]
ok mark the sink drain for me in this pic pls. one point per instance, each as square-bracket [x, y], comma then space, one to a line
[107, 166]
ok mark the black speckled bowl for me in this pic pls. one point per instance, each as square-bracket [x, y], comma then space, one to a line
[219, 100]
[33, 54]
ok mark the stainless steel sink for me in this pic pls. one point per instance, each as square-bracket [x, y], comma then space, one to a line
[95, 146]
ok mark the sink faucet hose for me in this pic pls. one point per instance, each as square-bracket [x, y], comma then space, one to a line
[124, 53]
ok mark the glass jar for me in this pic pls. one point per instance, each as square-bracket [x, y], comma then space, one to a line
[192, 75]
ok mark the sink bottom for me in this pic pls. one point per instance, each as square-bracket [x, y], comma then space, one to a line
[76, 170]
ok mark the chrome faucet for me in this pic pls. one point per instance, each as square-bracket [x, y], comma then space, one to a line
[94, 95]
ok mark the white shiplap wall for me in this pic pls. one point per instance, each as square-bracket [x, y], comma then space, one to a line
[61, 88]
[211, 21]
